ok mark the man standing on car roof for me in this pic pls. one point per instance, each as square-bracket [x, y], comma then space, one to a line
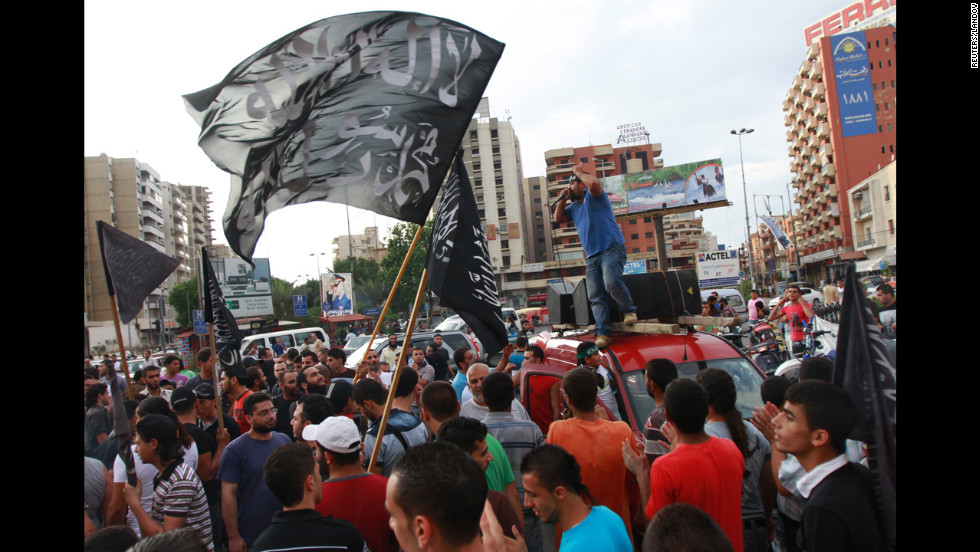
[604, 247]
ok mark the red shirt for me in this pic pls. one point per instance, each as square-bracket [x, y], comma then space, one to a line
[708, 476]
[360, 499]
[238, 412]
[795, 330]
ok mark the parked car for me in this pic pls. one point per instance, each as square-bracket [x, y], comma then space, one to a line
[625, 358]
[451, 340]
[359, 340]
[454, 322]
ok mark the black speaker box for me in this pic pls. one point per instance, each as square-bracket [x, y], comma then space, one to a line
[581, 305]
[665, 294]
[559, 302]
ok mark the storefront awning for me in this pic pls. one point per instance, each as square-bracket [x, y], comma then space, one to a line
[877, 263]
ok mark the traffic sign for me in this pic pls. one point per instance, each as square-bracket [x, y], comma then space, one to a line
[299, 305]
[200, 326]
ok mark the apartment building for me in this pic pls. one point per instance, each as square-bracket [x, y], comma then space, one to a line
[841, 120]
[172, 218]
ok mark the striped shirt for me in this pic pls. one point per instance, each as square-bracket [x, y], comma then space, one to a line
[518, 437]
[182, 495]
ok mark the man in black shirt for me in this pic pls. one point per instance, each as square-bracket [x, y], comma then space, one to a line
[292, 475]
[839, 510]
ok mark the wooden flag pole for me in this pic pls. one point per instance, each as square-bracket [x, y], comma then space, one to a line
[122, 347]
[398, 369]
[391, 294]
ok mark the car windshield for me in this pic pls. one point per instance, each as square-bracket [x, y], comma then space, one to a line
[747, 384]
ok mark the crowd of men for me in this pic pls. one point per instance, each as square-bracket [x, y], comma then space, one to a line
[285, 457]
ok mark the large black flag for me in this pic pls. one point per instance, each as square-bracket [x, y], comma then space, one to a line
[364, 109]
[227, 336]
[120, 425]
[863, 368]
[458, 263]
[133, 269]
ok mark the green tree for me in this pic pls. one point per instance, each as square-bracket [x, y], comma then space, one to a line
[183, 298]
[282, 299]
[370, 288]
[398, 244]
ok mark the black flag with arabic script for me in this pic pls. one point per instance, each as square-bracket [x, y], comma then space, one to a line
[458, 263]
[227, 336]
[864, 369]
[133, 269]
[364, 109]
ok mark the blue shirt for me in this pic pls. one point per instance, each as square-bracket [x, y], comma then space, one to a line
[595, 223]
[459, 383]
[602, 529]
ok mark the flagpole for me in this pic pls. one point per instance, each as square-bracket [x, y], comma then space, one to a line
[398, 368]
[122, 347]
[391, 294]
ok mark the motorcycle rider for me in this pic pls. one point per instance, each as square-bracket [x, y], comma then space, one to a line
[797, 313]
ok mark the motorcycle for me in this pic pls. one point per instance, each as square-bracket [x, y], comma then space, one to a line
[819, 339]
[766, 348]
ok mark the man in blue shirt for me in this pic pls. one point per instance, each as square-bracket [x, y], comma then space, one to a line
[604, 247]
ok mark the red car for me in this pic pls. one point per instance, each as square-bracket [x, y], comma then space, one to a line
[625, 359]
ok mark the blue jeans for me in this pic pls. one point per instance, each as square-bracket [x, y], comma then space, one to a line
[604, 278]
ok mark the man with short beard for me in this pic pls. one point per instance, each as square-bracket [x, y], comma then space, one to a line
[391, 351]
[402, 431]
[152, 377]
[278, 369]
[311, 408]
[476, 407]
[247, 505]
[282, 402]
[237, 390]
[335, 362]
[207, 413]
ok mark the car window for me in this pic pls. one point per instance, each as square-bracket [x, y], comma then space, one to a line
[735, 300]
[747, 385]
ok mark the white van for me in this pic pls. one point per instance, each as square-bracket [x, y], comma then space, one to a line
[290, 338]
[734, 298]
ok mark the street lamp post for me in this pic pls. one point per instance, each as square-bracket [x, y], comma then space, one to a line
[745, 198]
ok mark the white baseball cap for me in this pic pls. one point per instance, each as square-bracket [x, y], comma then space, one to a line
[336, 434]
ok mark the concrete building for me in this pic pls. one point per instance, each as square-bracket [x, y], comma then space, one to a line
[873, 206]
[174, 219]
[362, 246]
[831, 153]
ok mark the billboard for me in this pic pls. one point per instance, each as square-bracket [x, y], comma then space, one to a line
[863, 14]
[673, 186]
[337, 289]
[635, 267]
[717, 268]
[247, 291]
[853, 77]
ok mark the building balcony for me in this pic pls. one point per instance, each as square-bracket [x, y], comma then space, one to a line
[869, 242]
[149, 230]
[809, 104]
[827, 169]
[819, 91]
[823, 130]
[821, 111]
[560, 168]
[798, 80]
[813, 51]
[807, 86]
[816, 70]
[863, 213]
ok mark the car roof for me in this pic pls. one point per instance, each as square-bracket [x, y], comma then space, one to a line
[633, 349]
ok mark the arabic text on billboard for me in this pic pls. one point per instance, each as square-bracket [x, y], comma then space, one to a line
[857, 110]
[673, 186]
[717, 268]
[247, 291]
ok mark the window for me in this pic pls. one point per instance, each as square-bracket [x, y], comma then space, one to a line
[632, 221]
[647, 219]
[476, 166]
[891, 227]
[476, 152]
[493, 133]
[888, 196]
[649, 234]
[634, 237]
[651, 249]
[636, 250]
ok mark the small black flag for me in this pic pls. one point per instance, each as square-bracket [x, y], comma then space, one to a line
[227, 336]
[133, 269]
[364, 109]
[458, 263]
[864, 369]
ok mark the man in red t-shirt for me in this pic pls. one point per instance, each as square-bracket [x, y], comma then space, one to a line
[700, 470]
[234, 388]
[350, 493]
[797, 312]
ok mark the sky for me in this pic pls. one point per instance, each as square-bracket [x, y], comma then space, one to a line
[572, 71]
